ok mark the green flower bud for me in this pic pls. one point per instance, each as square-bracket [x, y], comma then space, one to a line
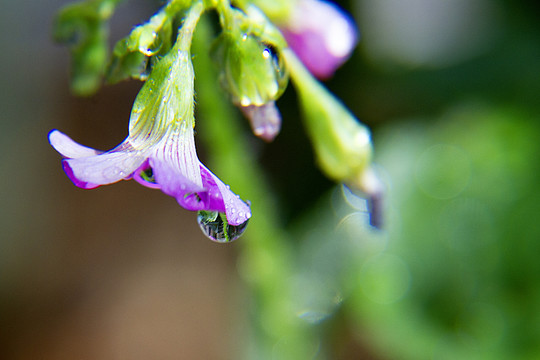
[252, 70]
[342, 144]
[132, 55]
[276, 9]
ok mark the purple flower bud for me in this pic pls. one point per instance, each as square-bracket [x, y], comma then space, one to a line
[321, 34]
[265, 120]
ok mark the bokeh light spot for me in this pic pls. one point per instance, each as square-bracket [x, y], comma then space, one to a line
[443, 171]
[385, 278]
[466, 224]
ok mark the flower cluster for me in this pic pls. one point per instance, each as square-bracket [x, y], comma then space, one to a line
[254, 58]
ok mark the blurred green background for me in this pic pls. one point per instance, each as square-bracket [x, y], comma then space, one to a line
[451, 90]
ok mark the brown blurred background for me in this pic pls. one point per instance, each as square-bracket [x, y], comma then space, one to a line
[123, 272]
[119, 272]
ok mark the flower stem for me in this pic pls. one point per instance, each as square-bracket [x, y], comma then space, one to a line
[188, 26]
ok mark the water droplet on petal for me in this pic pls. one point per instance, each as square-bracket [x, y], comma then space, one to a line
[216, 229]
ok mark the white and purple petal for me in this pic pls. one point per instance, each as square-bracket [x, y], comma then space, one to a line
[89, 168]
[321, 34]
[236, 210]
[69, 148]
[214, 195]
[103, 169]
[148, 180]
[173, 183]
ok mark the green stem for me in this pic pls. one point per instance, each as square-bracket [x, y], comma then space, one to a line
[226, 15]
[266, 256]
[185, 36]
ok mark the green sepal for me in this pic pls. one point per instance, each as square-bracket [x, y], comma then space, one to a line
[133, 56]
[172, 79]
[277, 10]
[341, 143]
[248, 54]
[83, 26]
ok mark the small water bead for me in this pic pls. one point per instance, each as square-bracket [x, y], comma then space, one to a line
[214, 225]
[280, 70]
[245, 101]
[146, 67]
[150, 43]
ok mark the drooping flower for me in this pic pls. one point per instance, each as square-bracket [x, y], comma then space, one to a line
[321, 34]
[159, 151]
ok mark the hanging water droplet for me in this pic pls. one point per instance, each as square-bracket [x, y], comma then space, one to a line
[145, 70]
[149, 42]
[281, 72]
[215, 226]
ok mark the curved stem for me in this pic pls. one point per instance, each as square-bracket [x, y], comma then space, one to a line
[188, 26]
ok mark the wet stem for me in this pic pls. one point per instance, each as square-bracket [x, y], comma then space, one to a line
[265, 254]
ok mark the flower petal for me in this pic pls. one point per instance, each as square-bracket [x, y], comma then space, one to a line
[237, 211]
[172, 182]
[145, 169]
[78, 182]
[322, 35]
[69, 148]
[103, 169]
[265, 120]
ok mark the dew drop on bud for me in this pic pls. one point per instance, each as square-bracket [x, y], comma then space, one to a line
[215, 226]
[150, 43]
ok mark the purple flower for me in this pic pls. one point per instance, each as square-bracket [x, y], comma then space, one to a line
[170, 165]
[159, 151]
[321, 34]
